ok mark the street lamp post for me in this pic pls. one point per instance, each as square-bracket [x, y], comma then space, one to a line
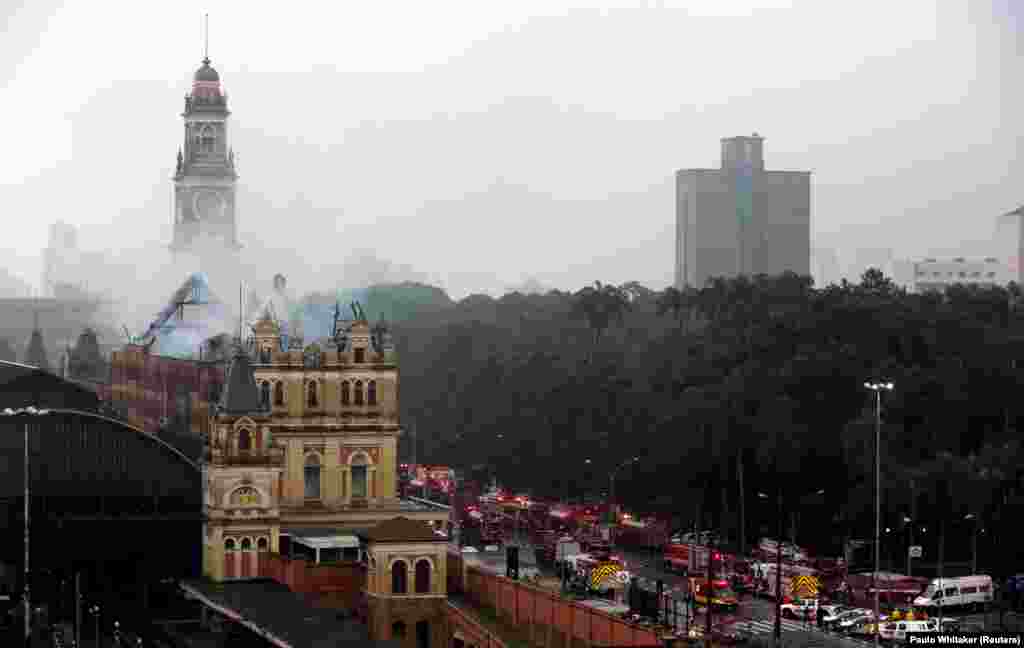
[878, 387]
[612, 502]
[94, 610]
[30, 411]
[974, 542]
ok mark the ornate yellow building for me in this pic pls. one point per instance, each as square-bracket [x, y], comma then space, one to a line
[304, 447]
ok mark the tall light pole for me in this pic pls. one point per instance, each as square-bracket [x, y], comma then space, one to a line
[614, 507]
[878, 387]
[95, 612]
[30, 411]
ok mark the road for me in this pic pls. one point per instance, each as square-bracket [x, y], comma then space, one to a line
[757, 615]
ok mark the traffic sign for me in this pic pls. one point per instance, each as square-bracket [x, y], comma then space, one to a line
[915, 551]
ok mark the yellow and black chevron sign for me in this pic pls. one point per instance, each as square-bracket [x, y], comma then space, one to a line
[805, 586]
[602, 574]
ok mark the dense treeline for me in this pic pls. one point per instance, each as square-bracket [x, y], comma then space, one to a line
[759, 381]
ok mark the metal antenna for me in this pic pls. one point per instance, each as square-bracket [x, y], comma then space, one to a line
[206, 40]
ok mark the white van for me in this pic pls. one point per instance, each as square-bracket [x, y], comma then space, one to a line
[947, 593]
[897, 630]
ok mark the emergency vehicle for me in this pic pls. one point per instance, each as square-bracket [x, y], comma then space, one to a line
[796, 581]
[719, 593]
[599, 574]
[684, 558]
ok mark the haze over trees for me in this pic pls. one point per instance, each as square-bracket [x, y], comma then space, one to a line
[762, 375]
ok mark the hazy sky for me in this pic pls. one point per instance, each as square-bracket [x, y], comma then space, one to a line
[484, 143]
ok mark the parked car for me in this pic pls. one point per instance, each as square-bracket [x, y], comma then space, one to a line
[832, 613]
[897, 631]
[804, 609]
[848, 621]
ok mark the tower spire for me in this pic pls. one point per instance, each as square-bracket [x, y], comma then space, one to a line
[206, 39]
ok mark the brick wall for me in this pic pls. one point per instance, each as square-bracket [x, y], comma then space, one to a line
[341, 583]
[550, 620]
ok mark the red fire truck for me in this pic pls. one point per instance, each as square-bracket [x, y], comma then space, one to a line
[684, 558]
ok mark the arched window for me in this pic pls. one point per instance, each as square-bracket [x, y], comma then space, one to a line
[398, 630]
[208, 140]
[262, 544]
[360, 356]
[398, 577]
[371, 392]
[312, 477]
[244, 440]
[346, 393]
[423, 577]
[265, 394]
[359, 471]
[311, 399]
[359, 392]
[246, 544]
[229, 544]
[279, 393]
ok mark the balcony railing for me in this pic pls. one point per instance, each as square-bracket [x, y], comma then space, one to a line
[270, 457]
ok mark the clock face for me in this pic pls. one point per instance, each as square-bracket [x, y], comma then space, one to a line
[209, 206]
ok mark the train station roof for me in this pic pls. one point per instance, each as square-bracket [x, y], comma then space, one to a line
[281, 616]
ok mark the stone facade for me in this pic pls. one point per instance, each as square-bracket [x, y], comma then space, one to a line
[308, 440]
[407, 590]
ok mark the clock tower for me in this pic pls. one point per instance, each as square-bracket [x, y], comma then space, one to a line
[204, 178]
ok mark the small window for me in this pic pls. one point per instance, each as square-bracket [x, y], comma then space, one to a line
[246, 544]
[279, 394]
[312, 400]
[359, 392]
[229, 544]
[346, 393]
[262, 544]
[371, 392]
[968, 590]
[265, 394]
[902, 626]
[244, 440]
[360, 356]
[950, 591]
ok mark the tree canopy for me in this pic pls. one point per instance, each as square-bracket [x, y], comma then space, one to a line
[767, 372]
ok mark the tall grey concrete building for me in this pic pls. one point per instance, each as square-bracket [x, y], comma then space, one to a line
[741, 219]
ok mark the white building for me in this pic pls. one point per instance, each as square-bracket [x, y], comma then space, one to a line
[935, 274]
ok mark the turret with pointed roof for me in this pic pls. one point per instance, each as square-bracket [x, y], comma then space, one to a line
[241, 394]
[35, 355]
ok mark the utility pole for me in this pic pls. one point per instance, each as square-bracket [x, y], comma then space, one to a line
[709, 595]
[28, 500]
[78, 608]
[778, 575]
